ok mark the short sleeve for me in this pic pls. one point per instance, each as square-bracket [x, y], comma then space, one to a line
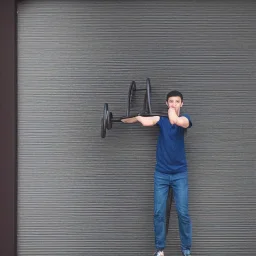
[160, 122]
[189, 119]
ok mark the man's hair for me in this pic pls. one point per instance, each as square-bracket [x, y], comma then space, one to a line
[174, 94]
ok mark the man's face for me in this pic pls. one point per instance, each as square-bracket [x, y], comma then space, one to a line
[174, 102]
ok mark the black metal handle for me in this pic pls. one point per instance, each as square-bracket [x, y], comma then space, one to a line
[131, 91]
[148, 92]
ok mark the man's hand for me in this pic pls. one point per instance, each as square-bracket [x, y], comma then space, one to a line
[174, 119]
[172, 115]
[129, 120]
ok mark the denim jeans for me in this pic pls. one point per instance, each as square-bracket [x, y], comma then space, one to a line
[179, 184]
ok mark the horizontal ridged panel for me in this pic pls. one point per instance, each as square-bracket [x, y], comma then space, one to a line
[83, 195]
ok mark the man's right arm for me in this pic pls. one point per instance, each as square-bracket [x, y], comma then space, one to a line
[144, 120]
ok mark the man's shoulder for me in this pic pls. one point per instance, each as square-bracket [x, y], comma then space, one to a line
[163, 119]
[185, 114]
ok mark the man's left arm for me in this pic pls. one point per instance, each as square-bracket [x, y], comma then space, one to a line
[183, 121]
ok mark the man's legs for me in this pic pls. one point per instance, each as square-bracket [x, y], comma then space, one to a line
[168, 209]
[180, 189]
[161, 188]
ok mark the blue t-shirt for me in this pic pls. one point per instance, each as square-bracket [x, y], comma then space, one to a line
[170, 154]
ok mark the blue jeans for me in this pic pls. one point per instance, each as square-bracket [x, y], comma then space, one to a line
[179, 184]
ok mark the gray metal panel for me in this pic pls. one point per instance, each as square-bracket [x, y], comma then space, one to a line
[83, 195]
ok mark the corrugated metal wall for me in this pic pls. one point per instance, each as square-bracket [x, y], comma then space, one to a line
[83, 195]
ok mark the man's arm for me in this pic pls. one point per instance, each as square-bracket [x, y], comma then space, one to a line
[144, 120]
[174, 119]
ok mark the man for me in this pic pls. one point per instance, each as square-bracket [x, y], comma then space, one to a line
[170, 171]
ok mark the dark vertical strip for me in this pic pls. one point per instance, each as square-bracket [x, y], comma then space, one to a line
[8, 115]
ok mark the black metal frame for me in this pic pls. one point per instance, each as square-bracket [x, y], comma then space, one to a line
[107, 120]
[131, 93]
[147, 99]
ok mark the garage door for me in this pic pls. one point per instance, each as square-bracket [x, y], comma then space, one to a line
[80, 194]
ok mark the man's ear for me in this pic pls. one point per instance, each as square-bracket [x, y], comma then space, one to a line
[181, 104]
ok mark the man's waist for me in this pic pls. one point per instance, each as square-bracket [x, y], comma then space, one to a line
[171, 168]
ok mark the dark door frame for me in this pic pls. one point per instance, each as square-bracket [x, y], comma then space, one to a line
[8, 128]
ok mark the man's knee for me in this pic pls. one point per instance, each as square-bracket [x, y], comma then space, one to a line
[183, 215]
[159, 215]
